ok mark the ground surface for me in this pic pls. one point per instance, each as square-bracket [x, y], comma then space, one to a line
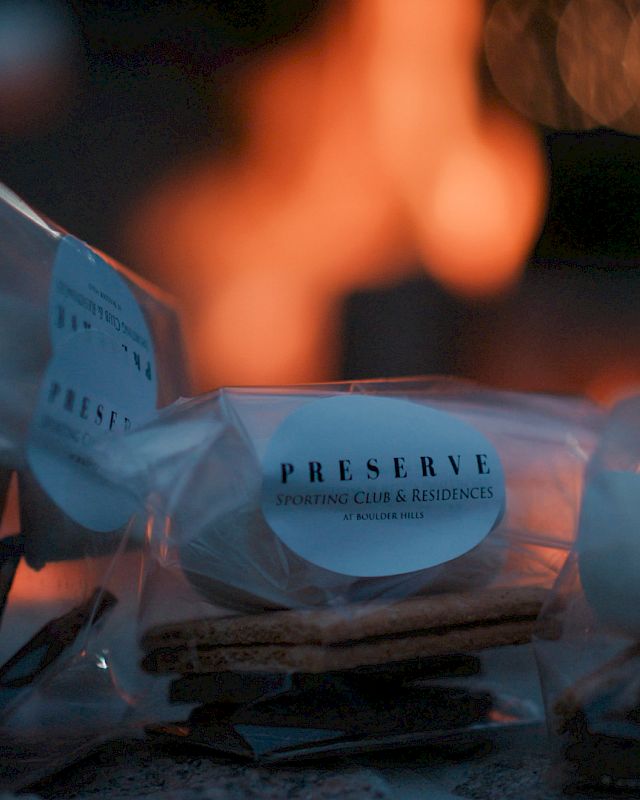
[513, 765]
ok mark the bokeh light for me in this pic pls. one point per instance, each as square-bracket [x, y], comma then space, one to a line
[38, 53]
[567, 64]
[520, 48]
[591, 40]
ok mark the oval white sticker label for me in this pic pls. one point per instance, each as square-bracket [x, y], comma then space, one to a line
[373, 486]
[101, 379]
[89, 390]
[88, 294]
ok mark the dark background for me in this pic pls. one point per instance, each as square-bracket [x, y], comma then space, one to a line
[150, 87]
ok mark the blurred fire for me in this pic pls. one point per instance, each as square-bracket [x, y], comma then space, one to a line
[366, 146]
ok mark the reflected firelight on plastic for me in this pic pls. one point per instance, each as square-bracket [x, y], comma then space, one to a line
[366, 148]
[56, 582]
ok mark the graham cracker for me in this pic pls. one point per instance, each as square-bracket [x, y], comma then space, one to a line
[325, 626]
[240, 687]
[330, 639]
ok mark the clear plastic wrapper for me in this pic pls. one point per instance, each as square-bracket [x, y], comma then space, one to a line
[87, 350]
[342, 567]
[588, 642]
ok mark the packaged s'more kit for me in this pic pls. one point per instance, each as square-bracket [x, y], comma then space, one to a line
[342, 567]
[87, 351]
[588, 638]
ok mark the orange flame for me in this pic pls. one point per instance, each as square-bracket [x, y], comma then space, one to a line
[366, 146]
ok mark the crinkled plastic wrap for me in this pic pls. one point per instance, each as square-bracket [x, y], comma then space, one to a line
[340, 567]
[588, 640]
[86, 350]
